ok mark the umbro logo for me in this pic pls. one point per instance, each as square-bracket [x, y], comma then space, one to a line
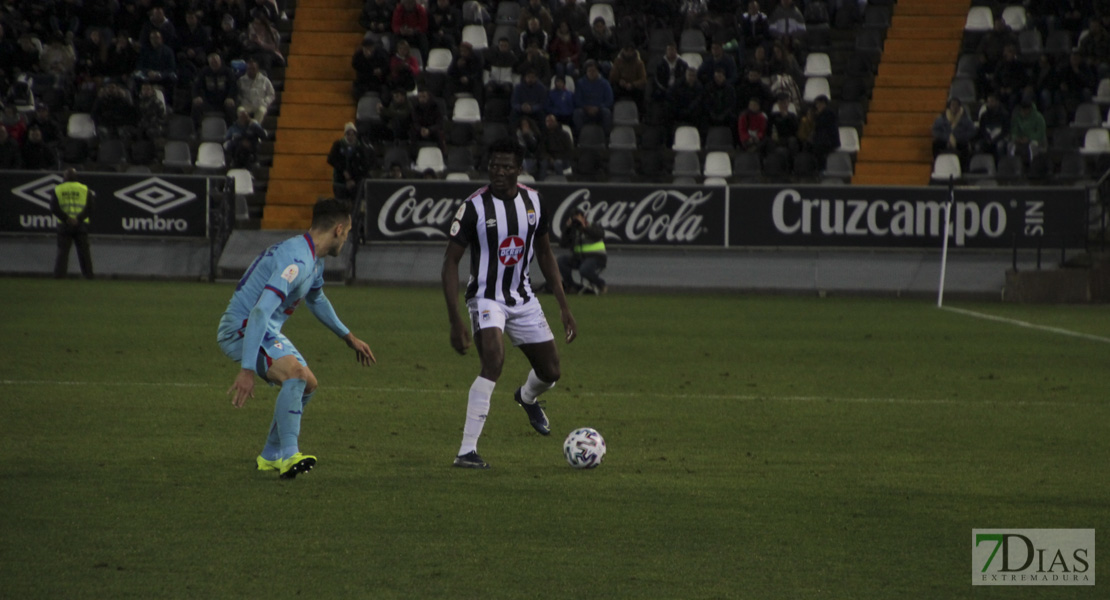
[39, 191]
[491, 222]
[155, 195]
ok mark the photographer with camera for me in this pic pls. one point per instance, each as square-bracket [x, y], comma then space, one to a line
[587, 244]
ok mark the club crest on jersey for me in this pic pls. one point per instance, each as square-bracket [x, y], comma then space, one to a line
[277, 345]
[455, 228]
[510, 251]
[459, 213]
[290, 273]
[531, 217]
[485, 315]
[491, 222]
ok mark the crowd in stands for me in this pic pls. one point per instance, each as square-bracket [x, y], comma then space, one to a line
[75, 74]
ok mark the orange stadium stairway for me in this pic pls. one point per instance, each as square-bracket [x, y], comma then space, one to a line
[316, 102]
[918, 61]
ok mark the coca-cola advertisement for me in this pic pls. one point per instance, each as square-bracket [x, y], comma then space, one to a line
[629, 214]
[903, 217]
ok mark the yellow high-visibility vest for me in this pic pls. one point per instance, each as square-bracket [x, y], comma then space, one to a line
[598, 246]
[72, 197]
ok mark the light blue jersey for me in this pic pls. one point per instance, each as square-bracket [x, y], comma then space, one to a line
[268, 293]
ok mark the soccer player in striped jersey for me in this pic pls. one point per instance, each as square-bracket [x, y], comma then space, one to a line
[250, 329]
[505, 228]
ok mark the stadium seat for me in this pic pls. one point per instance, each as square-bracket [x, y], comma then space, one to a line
[177, 156]
[460, 159]
[525, 178]
[138, 170]
[851, 114]
[818, 65]
[1030, 45]
[1102, 95]
[869, 44]
[457, 177]
[687, 139]
[507, 13]
[717, 164]
[963, 89]
[849, 140]
[430, 157]
[776, 165]
[686, 164]
[210, 157]
[658, 40]
[968, 65]
[466, 111]
[476, 36]
[396, 155]
[719, 139]
[746, 167]
[1073, 169]
[368, 110]
[1014, 16]
[692, 40]
[1097, 141]
[838, 165]
[506, 31]
[605, 12]
[877, 17]
[1059, 43]
[180, 128]
[693, 59]
[946, 166]
[715, 181]
[805, 166]
[1106, 123]
[816, 86]
[592, 136]
[1087, 115]
[1009, 169]
[625, 112]
[243, 179]
[74, 151]
[81, 126]
[142, 152]
[491, 132]
[981, 166]
[623, 137]
[496, 110]
[111, 154]
[213, 129]
[979, 19]
[621, 165]
[439, 59]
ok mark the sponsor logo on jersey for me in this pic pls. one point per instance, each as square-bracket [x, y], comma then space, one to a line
[510, 251]
[290, 273]
[491, 222]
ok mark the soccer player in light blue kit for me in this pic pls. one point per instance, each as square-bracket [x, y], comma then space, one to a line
[250, 329]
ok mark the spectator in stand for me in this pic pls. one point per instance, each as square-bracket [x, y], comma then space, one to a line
[157, 64]
[230, 42]
[1095, 47]
[410, 23]
[214, 90]
[991, 46]
[8, 49]
[263, 42]
[533, 33]
[685, 100]
[152, 113]
[114, 112]
[593, 100]
[994, 128]
[1010, 78]
[396, 116]
[783, 62]
[720, 102]
[268, 8]
[1027, 132]
[600, 46]
[47, 123]
[564, 51]
[445, 25]
[575, 15]
[350, 163]
[535, 9]
[783, 125]
[256, 91]
[953, 131]
[158, 22]
[752, 128]
[26, 58]
[754, 27]
[377, 18]
[89, 49]
[528, 138]
[37, 154]
[752, 87]
[465, 73]
[195, 44]
[428, 123]
[1077, 83]
[695, 15]
[556, 148]
[535, 59]
[717, 59]
[807, 125]
[242, 140]
[528, 99]
[628, 76]
[826, 130]
[58, 57]
[786, 19]
[236, 9]
[11, 157]
[14, 121]
[560, 102]
[371, 65]
[403, 67]
[670, 70]
[501, 62]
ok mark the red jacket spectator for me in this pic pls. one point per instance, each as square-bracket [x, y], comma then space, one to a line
[752, 127]
[414, 17]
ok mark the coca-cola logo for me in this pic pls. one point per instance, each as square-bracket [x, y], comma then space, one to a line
[405, 214]
[662, 215]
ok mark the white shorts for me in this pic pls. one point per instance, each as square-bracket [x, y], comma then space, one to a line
[525, 324]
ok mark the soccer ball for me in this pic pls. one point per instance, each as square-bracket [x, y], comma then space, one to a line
[584, 448]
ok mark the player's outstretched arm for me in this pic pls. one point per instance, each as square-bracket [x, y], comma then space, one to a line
[362, 350]
[449, 276]
[243, 388]
[550, 271]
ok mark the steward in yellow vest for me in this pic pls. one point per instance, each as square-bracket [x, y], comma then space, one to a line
[71, 204]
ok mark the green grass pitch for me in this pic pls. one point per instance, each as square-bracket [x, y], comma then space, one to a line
[759, 447]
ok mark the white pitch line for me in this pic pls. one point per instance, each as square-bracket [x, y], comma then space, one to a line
[1026, 324]
[667, 396]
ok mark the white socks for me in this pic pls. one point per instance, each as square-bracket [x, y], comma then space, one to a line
[533, 388]
[477, 407]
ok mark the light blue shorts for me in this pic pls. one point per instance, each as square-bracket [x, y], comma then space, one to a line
[274, 346]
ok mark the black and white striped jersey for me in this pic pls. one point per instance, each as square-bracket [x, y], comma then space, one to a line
[499, 235]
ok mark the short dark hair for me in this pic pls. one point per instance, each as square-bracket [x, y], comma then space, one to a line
[329, 212]
[507, 145]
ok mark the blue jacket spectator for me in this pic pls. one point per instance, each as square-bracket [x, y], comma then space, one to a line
[593, 99]
[528, 100]
[560, 102]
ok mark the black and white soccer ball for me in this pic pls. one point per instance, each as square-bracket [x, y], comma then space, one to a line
[584, 448]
